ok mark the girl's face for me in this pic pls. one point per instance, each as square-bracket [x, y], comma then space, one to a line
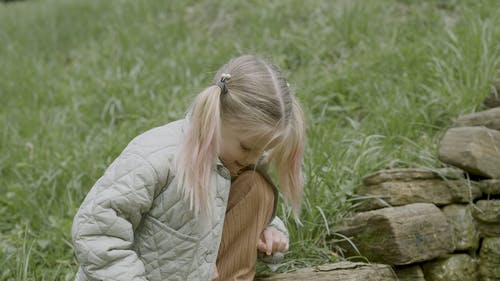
[239, 148]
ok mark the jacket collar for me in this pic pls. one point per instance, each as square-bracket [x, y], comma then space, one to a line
[222, 170]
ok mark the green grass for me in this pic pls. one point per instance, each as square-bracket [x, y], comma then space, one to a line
[379, 80]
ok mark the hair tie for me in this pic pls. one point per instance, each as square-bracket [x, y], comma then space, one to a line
[222, 83]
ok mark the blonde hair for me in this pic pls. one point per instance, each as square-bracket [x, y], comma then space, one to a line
[258, 98]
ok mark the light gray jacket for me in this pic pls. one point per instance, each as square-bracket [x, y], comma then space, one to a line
[134, 224]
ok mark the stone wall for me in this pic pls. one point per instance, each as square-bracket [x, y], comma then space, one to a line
[441, 224]
[427, 224]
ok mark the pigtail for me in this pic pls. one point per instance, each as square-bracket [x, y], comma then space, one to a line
[288, 156]
[260, 100]
[199, 150]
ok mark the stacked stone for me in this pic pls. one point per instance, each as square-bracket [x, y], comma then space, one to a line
[417, 220]
[473, 144]
[430, 224]
[342, 271]
[427, 224]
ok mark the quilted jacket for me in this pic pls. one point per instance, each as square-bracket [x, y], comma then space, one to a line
[134, 224]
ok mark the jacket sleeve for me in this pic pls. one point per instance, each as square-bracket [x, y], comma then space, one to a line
[103, 228]
[279, 225]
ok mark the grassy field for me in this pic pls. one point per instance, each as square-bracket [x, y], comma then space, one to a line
[379, 80]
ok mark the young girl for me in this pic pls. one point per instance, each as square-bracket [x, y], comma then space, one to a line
[191, 200]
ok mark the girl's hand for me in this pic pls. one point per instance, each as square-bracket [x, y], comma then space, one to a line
[272, 240]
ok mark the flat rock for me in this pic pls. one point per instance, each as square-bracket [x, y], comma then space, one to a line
[487, 211]
[487, 216]
[490, 187]
[342, 271]
[397, 235]
[473, 149]
[489, 259]
[411, 174]
[487, 229]
[398, 193]
[459, 267]
[465, 233]
[488, 118]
